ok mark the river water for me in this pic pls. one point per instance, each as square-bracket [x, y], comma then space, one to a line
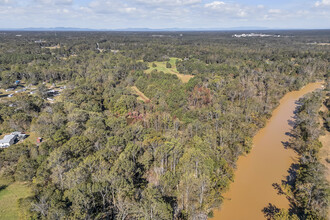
[267, 163]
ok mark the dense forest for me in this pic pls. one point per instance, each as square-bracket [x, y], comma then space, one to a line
[107, 153]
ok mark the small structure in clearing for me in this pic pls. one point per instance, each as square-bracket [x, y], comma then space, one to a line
[39, 140]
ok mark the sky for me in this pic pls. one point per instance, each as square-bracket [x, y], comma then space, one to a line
[117, 14]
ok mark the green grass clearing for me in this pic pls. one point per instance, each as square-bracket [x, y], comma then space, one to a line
[10, 193]
[161, 66]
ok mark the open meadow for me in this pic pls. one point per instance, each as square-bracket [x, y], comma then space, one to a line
[10, 194]
[161, 66]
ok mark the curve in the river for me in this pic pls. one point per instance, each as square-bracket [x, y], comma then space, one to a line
[267, 163]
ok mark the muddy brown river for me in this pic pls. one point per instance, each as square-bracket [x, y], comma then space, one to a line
[267, 163]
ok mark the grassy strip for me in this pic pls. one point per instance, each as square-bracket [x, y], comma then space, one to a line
[10, 193]
[141, 97]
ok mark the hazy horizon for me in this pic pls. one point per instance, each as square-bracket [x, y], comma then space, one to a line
[174, 29]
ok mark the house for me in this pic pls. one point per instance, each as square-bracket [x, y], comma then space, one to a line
[8, 140]
[9, 89]
[39, 41]
[20, 135]
[20, 90]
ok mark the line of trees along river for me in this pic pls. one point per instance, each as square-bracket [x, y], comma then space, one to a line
[257, 190]
[307, 187]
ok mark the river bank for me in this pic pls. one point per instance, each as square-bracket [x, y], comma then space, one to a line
[266, 164]
[325, 151]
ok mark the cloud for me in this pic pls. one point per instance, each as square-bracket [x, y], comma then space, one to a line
[6, 2]
[215, 5]
[128, 10]
[111, 6]
[274, 11]
[229, 8]
[163, 13]
[54, 2]
[174, 3]
[322, 3]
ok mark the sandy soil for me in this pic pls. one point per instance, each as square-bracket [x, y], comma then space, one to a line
[141, 97]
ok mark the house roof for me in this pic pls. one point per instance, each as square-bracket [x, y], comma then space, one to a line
[7, 138]
[17, 133]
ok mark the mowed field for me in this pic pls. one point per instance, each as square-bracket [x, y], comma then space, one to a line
[161, 66]
[10, 193]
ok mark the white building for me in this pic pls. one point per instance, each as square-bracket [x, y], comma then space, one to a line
[20, 135]
[8, 140]
[11, 139]
[21, 90]
[9, 89]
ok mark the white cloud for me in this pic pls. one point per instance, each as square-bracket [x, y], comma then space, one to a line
[160, 3]
[215, 5]
[128, 10]
[6, 2]
[110, 7]
[54, 2]
[322, 3]
[274, 11]
[162, 13]
[229, 8]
